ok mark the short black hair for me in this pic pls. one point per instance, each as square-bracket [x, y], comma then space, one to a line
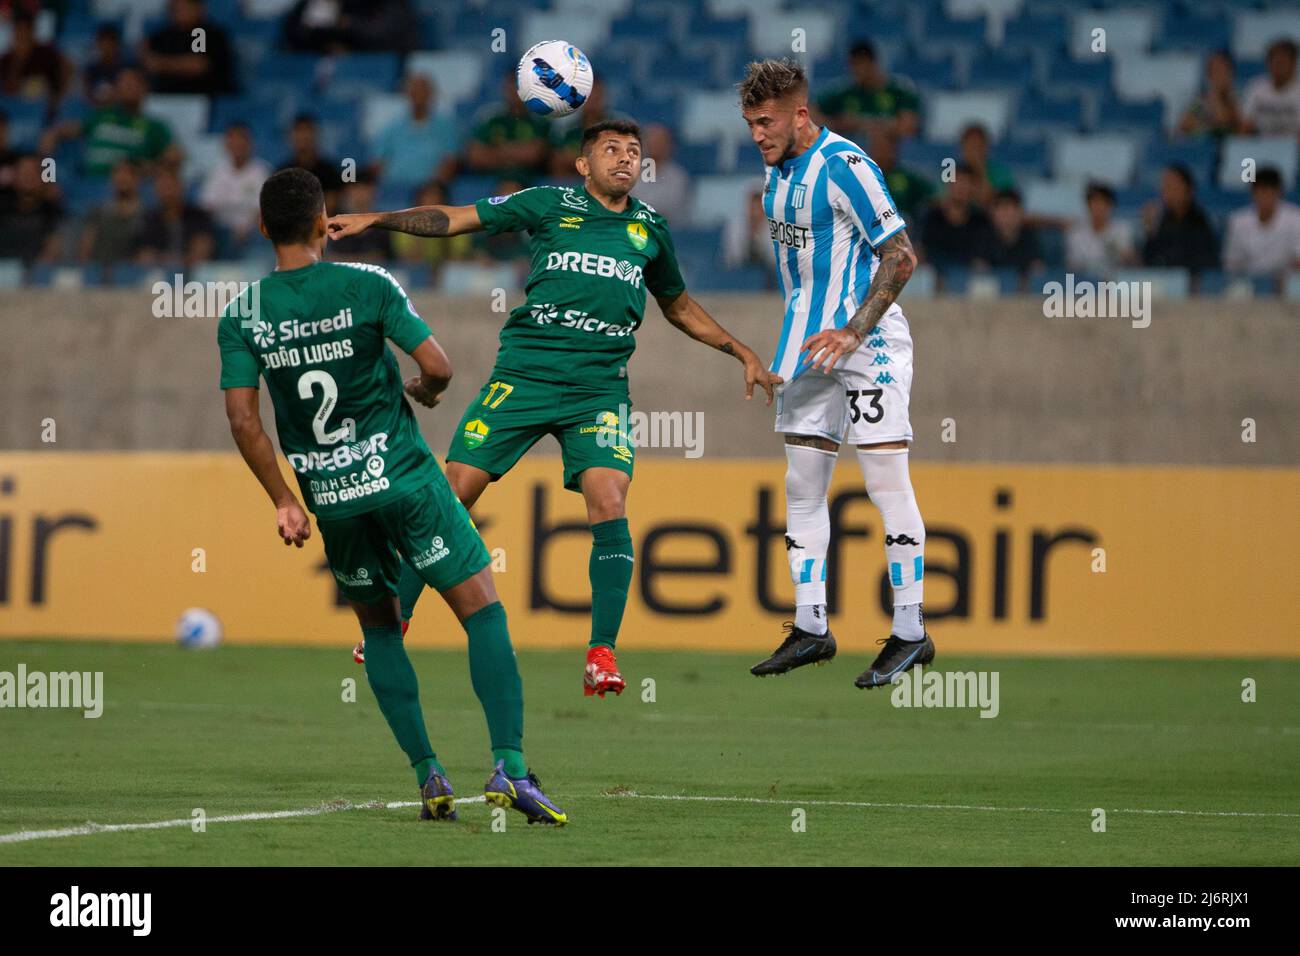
[1283, 45]
[290, 202]
[1102, 190]
[1183, 172]
[620, 126]
[1269, 177]
[862, 48]
[1008, 195]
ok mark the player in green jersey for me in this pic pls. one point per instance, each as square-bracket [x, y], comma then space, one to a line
[562, 366]
[317, 333]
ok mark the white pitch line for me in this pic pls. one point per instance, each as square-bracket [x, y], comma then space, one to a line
[89, 829]
[934, 806]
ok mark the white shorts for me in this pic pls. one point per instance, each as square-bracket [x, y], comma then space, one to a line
[865, 396]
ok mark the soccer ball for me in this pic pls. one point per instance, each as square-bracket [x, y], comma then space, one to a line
[553, 78]
[198, 628]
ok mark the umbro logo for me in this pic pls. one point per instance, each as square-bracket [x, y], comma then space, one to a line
[901, 539]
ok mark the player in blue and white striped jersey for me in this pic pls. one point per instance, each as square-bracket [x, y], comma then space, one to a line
[845, 353]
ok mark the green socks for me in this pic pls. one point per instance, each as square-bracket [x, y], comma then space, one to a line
[610, 569]
[392, 678]
[494, 672]
[409, 588]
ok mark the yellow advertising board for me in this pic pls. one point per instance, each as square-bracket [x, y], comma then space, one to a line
[1041, 559]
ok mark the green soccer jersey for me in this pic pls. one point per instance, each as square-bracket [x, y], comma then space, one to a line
[586, 289]
[318, 338]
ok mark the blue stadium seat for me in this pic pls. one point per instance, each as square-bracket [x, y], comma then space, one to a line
[1036, 31]
[1114, 113]
[928, 72]
[1059, 110]
[364, 72]
[1188, 31]
[1199, 155]
[993, 68]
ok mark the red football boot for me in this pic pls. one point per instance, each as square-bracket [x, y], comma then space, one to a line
[602, 672]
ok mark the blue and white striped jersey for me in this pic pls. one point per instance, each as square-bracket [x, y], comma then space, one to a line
[828, 210]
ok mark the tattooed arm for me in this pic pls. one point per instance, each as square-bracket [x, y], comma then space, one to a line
[417, 221]
[689, 316]
[897, 263]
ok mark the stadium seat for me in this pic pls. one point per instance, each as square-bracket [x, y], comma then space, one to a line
[1198, 155]
[586, 32]
[1111, 159]
[1256, 29]
[1055, 112]
[715, 117]
[947, 113]
[1126, 29]
[994, 68]
[1165, 283]
[185, 114]
[1036, 31]
[458, 75]
[719, 198]
[1278, 151]
[1191, 31]
[931, 73]
[771, 34]
[11, 273]
[362, 73]
[466, 278]
[1170, 77]
[380, 111]
[1052, 197]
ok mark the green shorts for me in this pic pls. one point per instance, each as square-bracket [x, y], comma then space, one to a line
[511, 414]
[430, 530]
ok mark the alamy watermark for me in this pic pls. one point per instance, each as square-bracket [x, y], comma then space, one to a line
[637, 429]
[1085, 299]
[77, 690]
[179, 299]
[917, 688]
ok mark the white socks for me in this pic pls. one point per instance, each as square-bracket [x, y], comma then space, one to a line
[808, 531]
[885, 472]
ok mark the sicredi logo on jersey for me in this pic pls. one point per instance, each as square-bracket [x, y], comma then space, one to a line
[592, 264]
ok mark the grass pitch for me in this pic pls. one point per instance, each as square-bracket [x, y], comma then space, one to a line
[1188, 774]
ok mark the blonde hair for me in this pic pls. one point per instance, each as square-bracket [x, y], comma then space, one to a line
[772, 80]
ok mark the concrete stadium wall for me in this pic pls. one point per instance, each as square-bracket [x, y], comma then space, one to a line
[1018, 386]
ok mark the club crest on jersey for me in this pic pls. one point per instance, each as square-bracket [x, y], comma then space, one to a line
[637, 235]
[797, 193]
[573, 200]
[476, 433]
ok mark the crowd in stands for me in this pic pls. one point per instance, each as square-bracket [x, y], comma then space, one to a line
[968, 214]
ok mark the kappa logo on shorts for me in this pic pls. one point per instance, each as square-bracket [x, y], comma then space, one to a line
[476, 433]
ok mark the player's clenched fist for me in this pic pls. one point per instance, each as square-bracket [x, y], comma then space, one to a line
[826, 348]
[350, 224]
[293, 524]
[415, 387]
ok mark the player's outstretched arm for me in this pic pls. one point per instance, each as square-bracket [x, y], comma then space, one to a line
[416, 221]
[897, 263]
[435, 373]
[689, 316]
[291, 520]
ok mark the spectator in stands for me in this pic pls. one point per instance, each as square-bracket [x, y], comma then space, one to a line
[511, 143]
[351, 26]
[1015, 241]
[176, 233]
[1179, 235]
[178, 61]
[31, 69]
[1264, 238]
[29, 215]
[304, 151]
[373, 245]
[232, 187]
[871, 99]
[669, 190]
[747, 239]
[434, 253]
[991, 176]
[99, 76]
[1215, 112]
[911, 191]
[1272, 103]
[119, 131]
[956, 231]
[8, 155]
[421, 145]
[113, 228]
[1100, 244]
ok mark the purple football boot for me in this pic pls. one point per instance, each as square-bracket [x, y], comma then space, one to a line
[523, 794]
[437, 802]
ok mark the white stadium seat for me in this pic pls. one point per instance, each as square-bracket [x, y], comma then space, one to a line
[773, 34]
[378, 111]
[1052, 197]
[586, 33]
[1279, 151]
[947, 113]
[1173, 77]
[186, 114]
[458, 74]
[1254, 31]
[1126, 30]
[1107, 158]
[719, 198]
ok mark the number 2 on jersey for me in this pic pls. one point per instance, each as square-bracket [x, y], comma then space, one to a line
[329, 398]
